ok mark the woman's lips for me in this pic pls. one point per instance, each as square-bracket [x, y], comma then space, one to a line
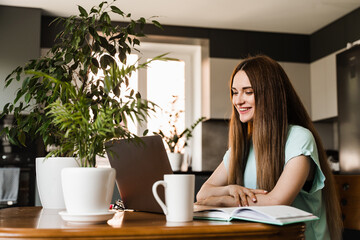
[244, 110]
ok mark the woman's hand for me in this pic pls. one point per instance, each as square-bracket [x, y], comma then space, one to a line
[237, 196]
[241, 194]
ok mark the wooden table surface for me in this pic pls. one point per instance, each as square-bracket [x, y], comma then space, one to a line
[36, 223]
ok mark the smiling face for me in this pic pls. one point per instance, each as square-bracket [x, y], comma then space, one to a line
[243, 96]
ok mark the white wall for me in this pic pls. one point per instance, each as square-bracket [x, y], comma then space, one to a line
[220, 73]
[299, 75]
[19, 42]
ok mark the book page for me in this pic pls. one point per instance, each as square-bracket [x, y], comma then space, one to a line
[248, 213]
[272, 212]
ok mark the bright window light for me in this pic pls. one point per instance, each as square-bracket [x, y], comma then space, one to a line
[165, 83]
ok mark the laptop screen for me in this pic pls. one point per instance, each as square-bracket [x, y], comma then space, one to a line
[138, 166]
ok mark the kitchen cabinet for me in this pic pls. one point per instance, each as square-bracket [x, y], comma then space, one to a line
[323, 88]
[348, 187]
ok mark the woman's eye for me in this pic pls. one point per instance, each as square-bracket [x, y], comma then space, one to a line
[234, 93]
[249, 92]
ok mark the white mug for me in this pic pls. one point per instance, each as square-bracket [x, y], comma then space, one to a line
[179, 197]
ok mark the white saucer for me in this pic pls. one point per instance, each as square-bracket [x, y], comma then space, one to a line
[86, 218]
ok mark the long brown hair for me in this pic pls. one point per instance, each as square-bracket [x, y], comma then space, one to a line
[277, 106]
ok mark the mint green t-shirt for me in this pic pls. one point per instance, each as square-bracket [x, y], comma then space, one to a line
[300, 141]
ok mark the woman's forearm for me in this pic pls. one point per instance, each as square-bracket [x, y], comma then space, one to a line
[209, 190]
[221, 201]
[266, 199]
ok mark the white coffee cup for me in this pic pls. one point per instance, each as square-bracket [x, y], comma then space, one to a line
[179, 197]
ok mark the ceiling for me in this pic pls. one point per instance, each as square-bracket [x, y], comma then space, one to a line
[285, 16]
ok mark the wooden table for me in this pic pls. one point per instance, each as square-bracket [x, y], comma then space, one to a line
[35, 223]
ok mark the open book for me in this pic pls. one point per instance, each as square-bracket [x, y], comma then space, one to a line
[277, 215]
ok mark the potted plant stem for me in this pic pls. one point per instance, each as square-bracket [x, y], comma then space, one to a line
[78, 96]
[176, 141]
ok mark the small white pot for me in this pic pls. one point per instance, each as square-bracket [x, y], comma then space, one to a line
[87, 190]
[48, 180]
[176, 160]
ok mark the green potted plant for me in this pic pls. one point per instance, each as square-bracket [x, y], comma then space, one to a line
[78, 96]
[176, 141]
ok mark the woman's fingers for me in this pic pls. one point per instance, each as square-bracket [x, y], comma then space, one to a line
[237, 200]
[259, 191]
[250, 194]
[243, 198]
[241, 194]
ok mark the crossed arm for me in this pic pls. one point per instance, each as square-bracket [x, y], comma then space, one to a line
[216, 192]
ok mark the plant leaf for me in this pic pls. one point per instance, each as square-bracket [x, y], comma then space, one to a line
[68, 58]
[82, 11]
[145, 132]
[115, 9]
[157, 24]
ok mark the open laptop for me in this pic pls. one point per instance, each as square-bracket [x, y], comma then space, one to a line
[138, 166]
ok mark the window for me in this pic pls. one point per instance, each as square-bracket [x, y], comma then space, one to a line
[166, 87]
[161, 81]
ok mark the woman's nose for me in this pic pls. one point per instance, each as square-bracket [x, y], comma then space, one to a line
[238, 99]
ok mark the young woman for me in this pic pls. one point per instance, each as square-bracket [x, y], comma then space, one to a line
[275, 156]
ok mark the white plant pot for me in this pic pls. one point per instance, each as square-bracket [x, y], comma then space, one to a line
[176, 160]
[87, 190]
[48, 180]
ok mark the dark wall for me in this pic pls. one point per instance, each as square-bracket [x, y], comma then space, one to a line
[335, 36]
[223, 43]
[19, 42]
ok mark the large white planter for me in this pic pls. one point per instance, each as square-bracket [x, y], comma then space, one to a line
[87, 190]
[48, 180]
[176, 160]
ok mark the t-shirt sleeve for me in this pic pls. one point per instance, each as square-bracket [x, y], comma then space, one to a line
[300, 141]
[226, 159]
